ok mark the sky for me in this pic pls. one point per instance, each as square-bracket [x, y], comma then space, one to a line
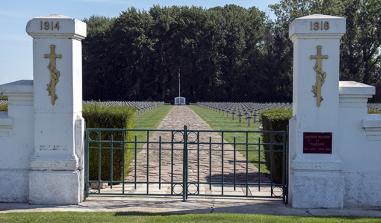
[16, 45]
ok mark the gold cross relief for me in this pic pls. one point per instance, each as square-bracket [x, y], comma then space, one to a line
[320, 75]
[54, 73]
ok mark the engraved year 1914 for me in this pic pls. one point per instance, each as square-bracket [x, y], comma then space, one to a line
[319, 26]
[49, 25]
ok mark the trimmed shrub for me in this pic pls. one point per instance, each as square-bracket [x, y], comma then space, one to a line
[275, 120]
[3, 107]
[373, 111]
[117, 117]
[3, 103]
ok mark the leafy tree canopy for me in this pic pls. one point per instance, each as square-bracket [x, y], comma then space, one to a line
[225, 53]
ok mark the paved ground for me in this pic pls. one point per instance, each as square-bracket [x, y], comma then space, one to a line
[197, 205]
[209, 165]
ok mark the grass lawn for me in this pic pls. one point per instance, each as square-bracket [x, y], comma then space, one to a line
[103, 217]
[151, 119]
[219, 121]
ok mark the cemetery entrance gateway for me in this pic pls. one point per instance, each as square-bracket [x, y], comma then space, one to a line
[186, 162]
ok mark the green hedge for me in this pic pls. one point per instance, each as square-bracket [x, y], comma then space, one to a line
[374, 111]
[275, 120]
[3, 107]
[101, 116]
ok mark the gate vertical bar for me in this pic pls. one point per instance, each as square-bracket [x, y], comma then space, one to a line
[185, 164]
[271, 163]
[112, 161]
[234, 162]
[172, 185]
[159, 162]
[123, 159]
[99, 160]
[259, 164]
[210, 163]
[284, 167]
[222, 164]
[285, 193]
[198, 162]
[147, 162]
[87, 166]
[135, 157]
[247, 164]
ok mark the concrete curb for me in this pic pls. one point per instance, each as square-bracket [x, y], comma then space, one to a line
[171, 205]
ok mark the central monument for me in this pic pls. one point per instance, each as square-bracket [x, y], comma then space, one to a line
[180, 100]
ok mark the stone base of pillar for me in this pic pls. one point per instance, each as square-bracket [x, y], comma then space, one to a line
[55, 187]
[317, 189]
[14, 185]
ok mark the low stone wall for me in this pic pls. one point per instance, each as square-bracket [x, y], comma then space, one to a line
[16, 142]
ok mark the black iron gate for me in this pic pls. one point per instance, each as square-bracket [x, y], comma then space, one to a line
[186, 163]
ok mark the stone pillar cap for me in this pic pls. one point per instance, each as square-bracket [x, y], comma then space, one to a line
[305, 26]
[56, 26]
[20, 87]
[355, 88]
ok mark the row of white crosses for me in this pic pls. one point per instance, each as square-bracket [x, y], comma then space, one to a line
[239, 109]
[140, 106]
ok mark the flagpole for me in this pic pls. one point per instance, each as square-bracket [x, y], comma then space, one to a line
[179, 83]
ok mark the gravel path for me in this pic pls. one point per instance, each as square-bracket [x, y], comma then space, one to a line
[205, 164]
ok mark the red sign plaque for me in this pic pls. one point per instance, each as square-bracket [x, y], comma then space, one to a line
[317, 142]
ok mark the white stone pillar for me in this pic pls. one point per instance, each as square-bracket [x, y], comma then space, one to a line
[56, 175]
[315, 179]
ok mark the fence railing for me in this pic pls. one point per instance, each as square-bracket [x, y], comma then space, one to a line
[186, 162]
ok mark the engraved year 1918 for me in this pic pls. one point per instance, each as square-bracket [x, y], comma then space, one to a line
[49, 25]
[319, 26]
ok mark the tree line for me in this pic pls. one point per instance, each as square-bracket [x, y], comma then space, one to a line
[225, 53]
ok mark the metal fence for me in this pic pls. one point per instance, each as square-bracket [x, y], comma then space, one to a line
[186, 163]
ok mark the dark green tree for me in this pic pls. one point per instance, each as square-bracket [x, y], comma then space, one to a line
[360, 48]
[225, 53]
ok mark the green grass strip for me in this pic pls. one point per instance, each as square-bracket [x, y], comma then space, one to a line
[151, 119]
[148, 120]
